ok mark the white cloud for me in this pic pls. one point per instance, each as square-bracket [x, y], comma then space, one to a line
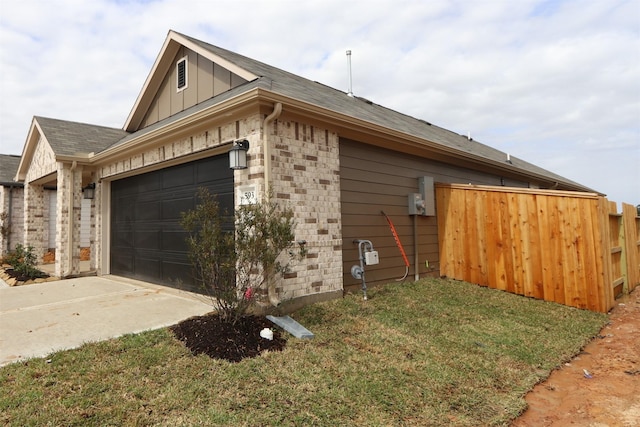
[554, 82]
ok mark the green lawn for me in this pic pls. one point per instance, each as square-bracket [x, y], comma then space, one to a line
[435, 352]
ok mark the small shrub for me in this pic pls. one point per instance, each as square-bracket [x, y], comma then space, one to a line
[23, 261]
[237, 256]
[4, 224]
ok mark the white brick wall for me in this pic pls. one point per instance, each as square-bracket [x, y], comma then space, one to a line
[305, 170]
[69, 196]
[14, 208]
[43, 162]
[33, 223]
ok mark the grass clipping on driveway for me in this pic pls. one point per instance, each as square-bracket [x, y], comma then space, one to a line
[435, 352]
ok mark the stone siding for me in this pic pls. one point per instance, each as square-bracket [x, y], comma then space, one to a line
[69, 197]
[42, 163]
[97, 220]
[210, 138]
[15, 217]
[34, 203]
[304, 176]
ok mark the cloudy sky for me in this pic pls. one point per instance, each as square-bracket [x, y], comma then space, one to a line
[554, 82]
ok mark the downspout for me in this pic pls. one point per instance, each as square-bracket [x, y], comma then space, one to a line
[277, 110]
[72, 180]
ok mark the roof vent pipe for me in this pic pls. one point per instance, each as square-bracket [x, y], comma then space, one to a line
[350, 93]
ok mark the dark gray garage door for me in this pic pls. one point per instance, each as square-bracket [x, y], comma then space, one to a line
[147, 241]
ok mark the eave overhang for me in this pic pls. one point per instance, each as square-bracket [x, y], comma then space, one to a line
[258, 99]
[27, 151]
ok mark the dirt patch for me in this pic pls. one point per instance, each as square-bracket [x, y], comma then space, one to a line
[49, 257]
[600, 386]
[85, 254]
[210, 335]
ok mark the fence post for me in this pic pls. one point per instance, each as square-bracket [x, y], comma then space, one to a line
[623, 256]
[631, 220]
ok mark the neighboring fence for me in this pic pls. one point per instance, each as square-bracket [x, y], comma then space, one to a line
[625, 248]
[567, 247]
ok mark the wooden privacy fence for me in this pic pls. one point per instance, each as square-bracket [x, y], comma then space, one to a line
[567, 247]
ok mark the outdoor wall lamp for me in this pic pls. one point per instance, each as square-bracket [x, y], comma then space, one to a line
[238, 154]
[89, 191]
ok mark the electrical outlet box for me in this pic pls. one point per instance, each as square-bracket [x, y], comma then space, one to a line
[416, 204]
[371, 258]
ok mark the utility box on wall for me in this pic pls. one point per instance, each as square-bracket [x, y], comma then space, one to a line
[424, 202]
[428, 193]
[416, 204]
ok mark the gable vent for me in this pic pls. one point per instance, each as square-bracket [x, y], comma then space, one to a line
[181, 68]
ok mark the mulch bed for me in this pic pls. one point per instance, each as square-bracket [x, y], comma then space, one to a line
[22, 278]
[13, 278]
[218, 339]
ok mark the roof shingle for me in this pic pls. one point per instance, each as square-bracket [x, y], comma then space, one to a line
[8, 168]
[70, 138]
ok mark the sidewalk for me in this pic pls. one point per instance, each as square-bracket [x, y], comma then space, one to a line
[38, 319]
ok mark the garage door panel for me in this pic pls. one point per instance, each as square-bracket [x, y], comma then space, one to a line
[172, 209]
[122, 262]
[147, 210]
[179, 273]
[210, 170]
[122, 239]
[175, 241]
[147, 240]
[124, 214]
[148, 268]
[178, 176]
[142, 184]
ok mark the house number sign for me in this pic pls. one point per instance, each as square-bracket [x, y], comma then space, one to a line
[248, 195]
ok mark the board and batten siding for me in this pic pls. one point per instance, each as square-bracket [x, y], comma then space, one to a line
[374, 179]
[205, 79]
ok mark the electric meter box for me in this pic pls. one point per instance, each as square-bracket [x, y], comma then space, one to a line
[428, 193]
[371, 258]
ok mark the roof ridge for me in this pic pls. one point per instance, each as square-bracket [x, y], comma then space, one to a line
[78, 123]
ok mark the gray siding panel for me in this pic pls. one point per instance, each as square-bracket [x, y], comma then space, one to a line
[374, 179]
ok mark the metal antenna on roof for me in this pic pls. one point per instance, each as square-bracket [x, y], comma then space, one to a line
[350, 93]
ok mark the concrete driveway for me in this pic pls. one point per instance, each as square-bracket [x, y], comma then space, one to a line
[38, 319]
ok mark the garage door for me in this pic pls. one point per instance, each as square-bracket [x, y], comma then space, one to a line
[147, 241]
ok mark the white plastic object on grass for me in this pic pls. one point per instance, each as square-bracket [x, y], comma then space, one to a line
[267, 333]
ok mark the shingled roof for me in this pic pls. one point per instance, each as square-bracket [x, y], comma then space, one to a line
[8, 167]
[299, 88]
[70, 138]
